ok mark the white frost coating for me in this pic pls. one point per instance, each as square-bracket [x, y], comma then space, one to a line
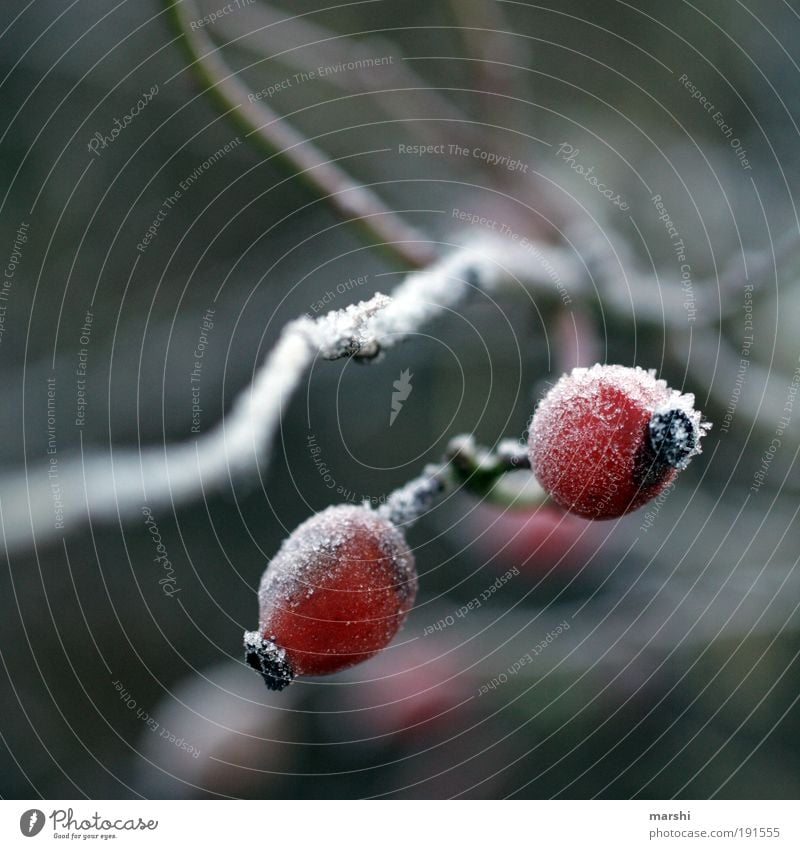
[636, 383]
[424, 294]
[309, 559]
[484, 266]
[406, 504]
[99, 486]
[343, 332]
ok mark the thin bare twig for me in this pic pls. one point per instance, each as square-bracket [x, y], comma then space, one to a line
[350, 198]
[490, 39]
[273, 35]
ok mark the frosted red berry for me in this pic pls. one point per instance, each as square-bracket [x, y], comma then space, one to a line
[607, 439]
[335, 594]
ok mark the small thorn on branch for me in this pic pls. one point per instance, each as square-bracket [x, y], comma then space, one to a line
[347, 332]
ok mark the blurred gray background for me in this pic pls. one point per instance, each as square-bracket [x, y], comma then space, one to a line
[678, 673]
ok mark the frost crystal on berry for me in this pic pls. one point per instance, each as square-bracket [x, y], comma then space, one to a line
[335, 594]
[607, 439]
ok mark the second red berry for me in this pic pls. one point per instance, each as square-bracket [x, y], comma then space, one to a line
[335, 594]
[607, 439]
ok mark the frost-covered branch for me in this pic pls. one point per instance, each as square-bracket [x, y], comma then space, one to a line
[53, 496]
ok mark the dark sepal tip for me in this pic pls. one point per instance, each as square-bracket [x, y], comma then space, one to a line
[673, 437]
[268, 659]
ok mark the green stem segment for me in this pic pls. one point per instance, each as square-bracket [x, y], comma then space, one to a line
[479, 471]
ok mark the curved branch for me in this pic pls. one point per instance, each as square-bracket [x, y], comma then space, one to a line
[53, 496]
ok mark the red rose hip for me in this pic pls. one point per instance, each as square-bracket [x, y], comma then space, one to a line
[607, 439]
[335, 594]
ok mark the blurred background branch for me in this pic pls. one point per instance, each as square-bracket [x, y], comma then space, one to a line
[352, 199]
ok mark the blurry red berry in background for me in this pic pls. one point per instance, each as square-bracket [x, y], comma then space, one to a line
[411, 689]
[336, 593]
[533, 540]
[217, 731]
[608, 439]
